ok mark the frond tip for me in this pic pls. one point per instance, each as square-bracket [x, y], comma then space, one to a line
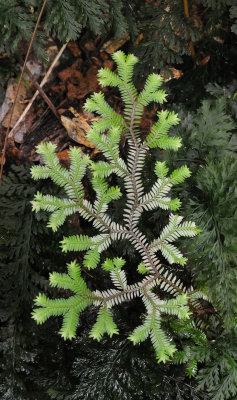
[69, 308]
[104, 324]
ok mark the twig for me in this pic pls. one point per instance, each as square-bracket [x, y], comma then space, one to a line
[43, 94]
[18, 87]
[37, 92]
[191, 46]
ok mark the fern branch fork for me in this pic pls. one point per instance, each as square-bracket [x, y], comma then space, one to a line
[105, 134]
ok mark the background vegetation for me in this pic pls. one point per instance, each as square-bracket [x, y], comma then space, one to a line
[35, 362]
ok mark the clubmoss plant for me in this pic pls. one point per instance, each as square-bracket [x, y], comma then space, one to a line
[105, 134]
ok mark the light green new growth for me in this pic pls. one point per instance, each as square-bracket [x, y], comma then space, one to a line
[105, 134]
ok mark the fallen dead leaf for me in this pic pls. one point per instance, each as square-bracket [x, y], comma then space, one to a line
[64, 157]
[108, 64]
[114, 44]
[71, 72]
[76, 52]
[176, 74]
[204, 61]
[90, 46]
[85, 84]
[77, 128]
[8, 101]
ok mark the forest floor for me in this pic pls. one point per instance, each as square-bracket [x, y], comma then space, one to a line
[68, 86]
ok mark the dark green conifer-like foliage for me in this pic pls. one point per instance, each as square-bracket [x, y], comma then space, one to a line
[209, 148]
[63, 20]
[106, 133]
[27, 253]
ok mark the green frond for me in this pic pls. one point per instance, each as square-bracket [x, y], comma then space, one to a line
[141, 333]
[163, 348]
[108, 78]
[179, 175]
[118, 262]
[171, 253]
[158, 97]
[113, 193]
[48, 153]
[76, 243]
[113, 264]
[99, 126]
[104, 194]
[60, 208]
[166, 203]
[125, 65]
[104, 324]
[38, 172]
[161, 170]
[57, 219]
[170, 233]
[98, 104]
[57, 307]
[161, 127]
[70, 322]
[71, 317]
[175, 229]
[92, 258]
[150, 92]
[108, 265]
[69, 180]
[72, 281]
[142, 269]
[177, 306]
[78, 165]
[103, 169]
[69, 308]
[58, 174]
[166, 143]
[117, 276]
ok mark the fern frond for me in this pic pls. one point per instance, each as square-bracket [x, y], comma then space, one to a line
[177, 306]
[166, 143]
[98, 104]
[106, 133]
[125, 65]
[103, 169]
[179, 175]
[60, 208]
[160, 129]
[141, 333]
[92, 258]
[150, 92]
[76, 243]
[108, 78]
[68, 308]
[170, 233]
[161, 170]
[104, 324]
[161, 343]
[72, 280]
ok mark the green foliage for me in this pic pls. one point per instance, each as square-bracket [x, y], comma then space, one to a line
[209, 144]
[108, 231]
[28, 251]
[114, 369]
[209, 139]
[167, 33]
[216, 251]
[62, 20]
[219, 376]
